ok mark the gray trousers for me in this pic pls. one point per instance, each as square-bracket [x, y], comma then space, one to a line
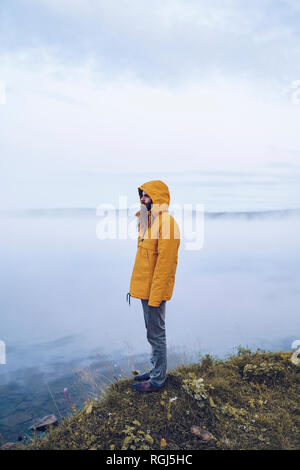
[156, 335]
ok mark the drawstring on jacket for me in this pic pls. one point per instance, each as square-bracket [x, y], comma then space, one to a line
[128, 298]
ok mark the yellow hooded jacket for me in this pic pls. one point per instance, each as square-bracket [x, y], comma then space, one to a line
[153, 274]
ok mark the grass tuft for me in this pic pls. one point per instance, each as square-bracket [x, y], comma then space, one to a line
[247, 401]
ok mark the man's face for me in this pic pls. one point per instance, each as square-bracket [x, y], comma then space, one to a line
[146, 200]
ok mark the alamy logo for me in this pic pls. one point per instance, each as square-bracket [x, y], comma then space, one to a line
[120, 223]
[296, 354]
[295, 96]
[2, 352]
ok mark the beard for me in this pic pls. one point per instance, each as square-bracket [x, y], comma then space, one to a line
[143, 219]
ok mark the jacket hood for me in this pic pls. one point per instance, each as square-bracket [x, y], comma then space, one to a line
[159, 193]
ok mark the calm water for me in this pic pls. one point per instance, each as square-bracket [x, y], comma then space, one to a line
[63, 306]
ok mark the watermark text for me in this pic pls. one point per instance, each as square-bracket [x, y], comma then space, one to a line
[124, 222]
[2, 92]
[2, 352]
[296, 354]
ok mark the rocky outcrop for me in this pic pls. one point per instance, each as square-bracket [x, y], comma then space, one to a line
[44, 423]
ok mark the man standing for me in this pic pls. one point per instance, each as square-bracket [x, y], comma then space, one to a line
[153, 275]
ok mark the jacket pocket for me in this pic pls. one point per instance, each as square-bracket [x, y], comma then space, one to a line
[143, 260]
[150, 245]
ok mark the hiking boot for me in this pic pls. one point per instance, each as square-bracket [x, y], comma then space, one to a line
[144, 376]
[145, 387]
